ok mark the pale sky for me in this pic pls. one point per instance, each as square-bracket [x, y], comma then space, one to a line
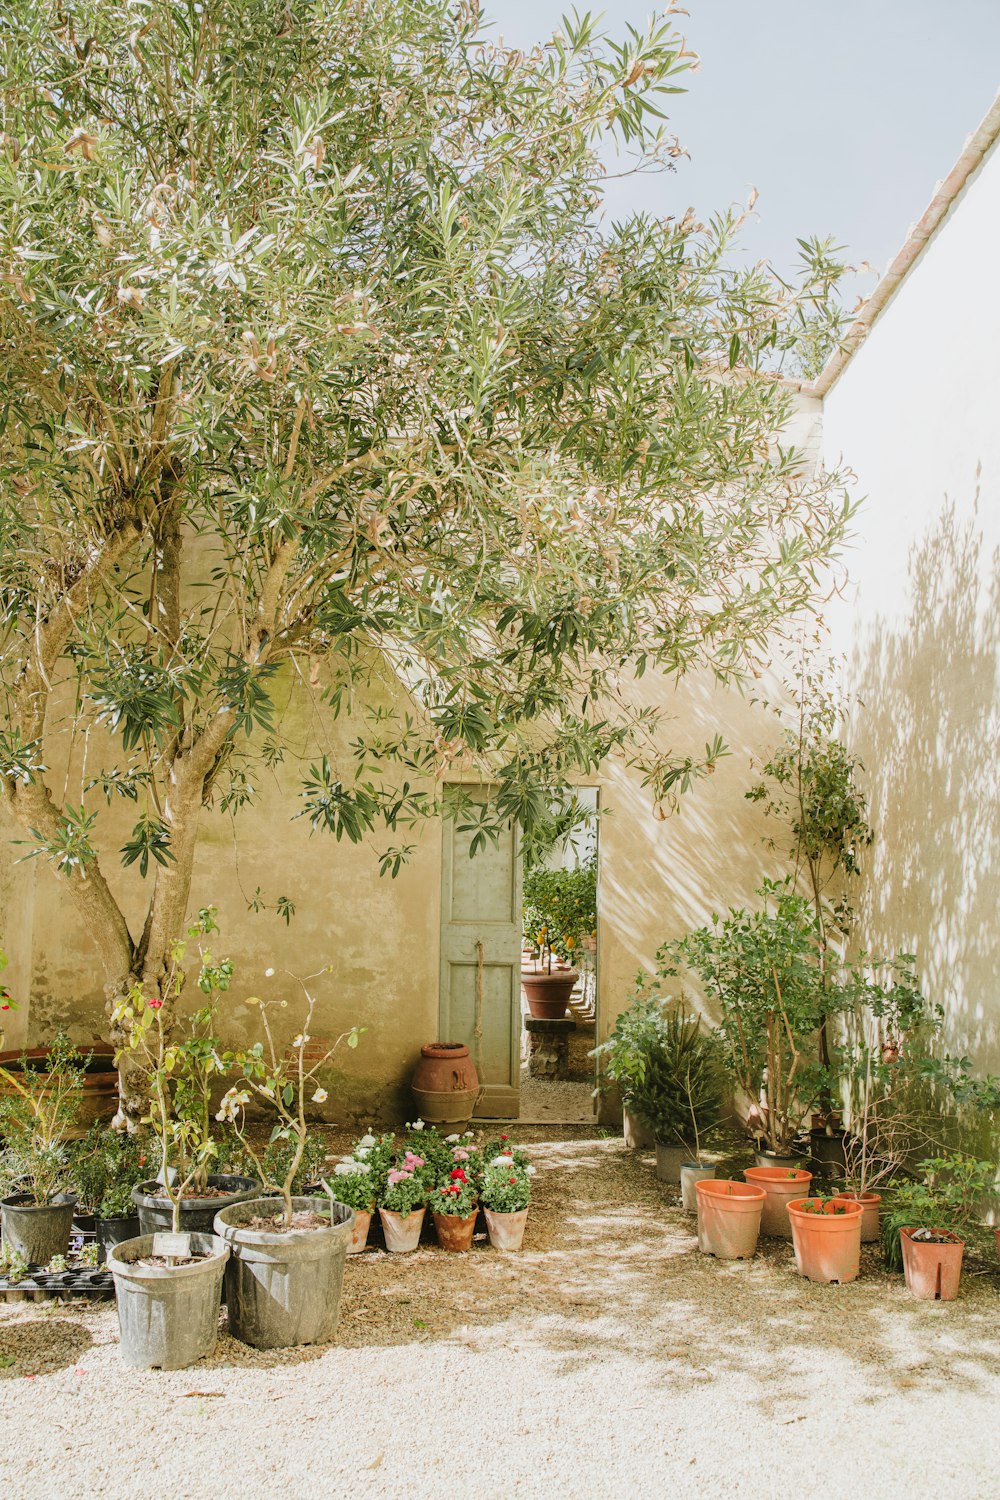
[842, 113]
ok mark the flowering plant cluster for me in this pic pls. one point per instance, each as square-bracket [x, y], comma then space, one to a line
[456, 1194]
[506, 1187]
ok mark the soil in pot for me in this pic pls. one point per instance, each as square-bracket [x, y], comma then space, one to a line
[932, 1263]
[693, 1172]
[827, 1242]
[197, 1212]
[506, 1231]
[37, 1230]
[283, 1285]
[728, 1218]
[870, 1216]
[454, 1233]
[445, 1084]
[402, 1232]
[782, 1185]
[548, 994]
[668, 1163]
[168, 1313]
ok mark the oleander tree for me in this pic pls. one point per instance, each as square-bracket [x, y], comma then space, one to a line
[318, 361]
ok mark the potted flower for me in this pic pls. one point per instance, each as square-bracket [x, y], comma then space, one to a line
[402, 1203]
[826, 1237]
[759, 968]
[505, 1193]
[107, 1165]
[355, 1186]
[38, 1117]
[285, 1277]
[928, 1223]
[728, 1218]
[454, 1208]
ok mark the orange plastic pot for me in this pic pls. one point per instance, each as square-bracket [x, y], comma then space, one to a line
[828, 1243]
[870, 1225]
[728, 1218]
[932, 1271]
[781, 1185]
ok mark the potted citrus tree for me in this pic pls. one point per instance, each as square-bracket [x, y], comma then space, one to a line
[559, 914]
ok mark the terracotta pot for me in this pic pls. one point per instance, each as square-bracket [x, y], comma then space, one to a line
[401, 1234]
[506, 1231]
[359, 1231]
[728, 1218]
[932, 1271]
[445, 1084]
[870, 1224]
[548, 994]
[454, 1233]
[668, 1163]
[781, 1184]
[692, 1172]
[100, 1081]
[637, 1133]
[827, 1244]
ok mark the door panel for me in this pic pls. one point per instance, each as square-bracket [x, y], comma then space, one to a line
[481, 987]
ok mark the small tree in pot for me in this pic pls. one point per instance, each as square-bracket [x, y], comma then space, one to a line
[284, 1280]
[759, 968]
[37, 1118]
[925, 1230]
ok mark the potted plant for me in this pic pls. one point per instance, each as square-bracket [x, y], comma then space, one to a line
[928, 1222]
[285, 1277]
[505, 1193]
[402, 1203]
[37, 1118]
[454, 1208]
[728, 1218]
[759, 969]
[355, 1186]
[826, 1236]
[682, 1090]
[559, 912]
[781, 1186]
[624, 1060]
[107, 1165]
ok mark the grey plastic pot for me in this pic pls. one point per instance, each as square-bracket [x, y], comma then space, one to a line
[668, 1163]
[284, 1289]
[197, 1214]
[637, 1134]
[772, 1159]
[692, 1172]
[168, 1315]
[111, 1232]
[37, 1230]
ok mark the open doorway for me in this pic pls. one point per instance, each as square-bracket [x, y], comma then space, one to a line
[559, 968]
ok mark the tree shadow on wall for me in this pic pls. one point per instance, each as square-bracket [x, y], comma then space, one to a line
[929, 738]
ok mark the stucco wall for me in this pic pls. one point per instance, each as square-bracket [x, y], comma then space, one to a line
[915, 415]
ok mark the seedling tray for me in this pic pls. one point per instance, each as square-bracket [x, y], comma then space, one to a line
[39, 1285]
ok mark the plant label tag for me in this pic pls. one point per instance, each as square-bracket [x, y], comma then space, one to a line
[171, 1244]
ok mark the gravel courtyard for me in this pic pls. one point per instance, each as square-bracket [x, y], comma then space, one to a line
[609, 1358]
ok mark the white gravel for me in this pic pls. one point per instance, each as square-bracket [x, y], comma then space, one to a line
[609, 1358]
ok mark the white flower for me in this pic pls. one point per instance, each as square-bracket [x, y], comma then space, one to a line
[350, 1168]
[320, 1096]
[300, 1040]
[469, 1134]
[360, 1152]
[451, 1139]
[367, 1141]
[531, 1171]
[502, 1161]
[417, 1125]
[268, 973]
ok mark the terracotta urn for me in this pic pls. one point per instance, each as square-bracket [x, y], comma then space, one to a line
[454, 1233]
[548, 994]
[933, 1268]
[827, 1241]
[445, 1084]
[781, 1184]
[728, 1218]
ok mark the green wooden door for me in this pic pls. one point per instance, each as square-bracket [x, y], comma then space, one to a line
[481, 962]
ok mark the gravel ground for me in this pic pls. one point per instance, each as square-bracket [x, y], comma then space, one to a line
[608, 1358]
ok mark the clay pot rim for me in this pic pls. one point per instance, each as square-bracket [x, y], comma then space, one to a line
[726, 1190]
[774, 1176]
[829, 1214]
[911, 1229]
[558, 976]
[867, 1200]
[444, 1049]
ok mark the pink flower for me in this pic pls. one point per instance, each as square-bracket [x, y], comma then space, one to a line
[412, 1161]
[396, 1176]
[459, 1155]
[154, 1004]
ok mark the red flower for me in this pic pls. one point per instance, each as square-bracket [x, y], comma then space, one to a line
[154, 1004]
[5, 1006]
[457, 1175]
[512, 1179]
[503, 1137]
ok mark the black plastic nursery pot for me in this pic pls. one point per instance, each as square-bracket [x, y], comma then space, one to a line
[283, 1289]
[197, 1214]
[37, 1230]
[111, 1232]
[168, 1314]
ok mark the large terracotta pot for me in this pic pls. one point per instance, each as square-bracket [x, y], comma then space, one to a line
[827, 1244]
[781, 1184]
[506, 1231]
[445, 1084]
[870, 1222]
[454, 1233]
[932, 1271]
[402, 1231]
[728, 1218]
[100, 1081]
[548, 994]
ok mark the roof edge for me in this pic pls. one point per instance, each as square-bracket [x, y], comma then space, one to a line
[947, 191]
